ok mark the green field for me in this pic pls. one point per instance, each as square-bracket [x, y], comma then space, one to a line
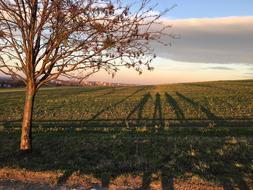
[215, 101]
[157, 132]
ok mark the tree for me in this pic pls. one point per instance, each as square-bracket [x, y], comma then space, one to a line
[42, 40]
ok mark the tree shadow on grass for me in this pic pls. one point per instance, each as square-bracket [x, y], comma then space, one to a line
[139, 108]
[167, 180]
[63, 179]
[158, 113]
[211, 116]
[197, 105]
[112, 91]
[157, 119]
[178, 111]
[225, 161]
[115, 104]
[227, 183]
[105, 94]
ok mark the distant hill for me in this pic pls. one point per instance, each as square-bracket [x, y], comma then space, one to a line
[10, 83]
[14, 83]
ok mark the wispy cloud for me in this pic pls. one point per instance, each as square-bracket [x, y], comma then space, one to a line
[219, 68]
[219, 40]
[251, 74]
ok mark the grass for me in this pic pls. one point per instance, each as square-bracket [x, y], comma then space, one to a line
[178, 131]
[221, 160]
[195, 101]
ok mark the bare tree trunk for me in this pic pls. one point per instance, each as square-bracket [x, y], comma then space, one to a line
[26, 134]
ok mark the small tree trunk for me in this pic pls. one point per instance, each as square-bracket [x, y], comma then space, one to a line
[26, 134]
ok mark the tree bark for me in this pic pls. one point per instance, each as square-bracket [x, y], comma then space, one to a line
[26, 134]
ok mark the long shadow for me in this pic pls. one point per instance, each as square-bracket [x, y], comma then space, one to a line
[223, 160]
[197, 105]
[107, 93]
[75, 90]
[139, 108]
[115, 104]
[173, 103]
[63, 179]
[229, 176]
[158, 115]
[167, 181]
[146, 180]
[227, 184]
[113, 90]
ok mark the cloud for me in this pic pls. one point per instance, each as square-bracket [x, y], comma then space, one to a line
[218, 40]
[220, 68]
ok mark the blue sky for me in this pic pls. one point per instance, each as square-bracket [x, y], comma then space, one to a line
[207, 8]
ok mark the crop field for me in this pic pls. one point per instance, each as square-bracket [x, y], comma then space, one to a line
[213, 101]
[195, 132]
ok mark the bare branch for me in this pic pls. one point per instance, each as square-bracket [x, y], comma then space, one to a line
[49, 39]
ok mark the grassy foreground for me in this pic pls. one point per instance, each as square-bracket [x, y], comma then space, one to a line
[198, 131]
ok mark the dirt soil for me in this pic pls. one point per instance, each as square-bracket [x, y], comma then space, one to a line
[12, 179]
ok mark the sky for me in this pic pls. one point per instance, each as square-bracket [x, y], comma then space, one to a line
[216, 43]
[206, 8]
